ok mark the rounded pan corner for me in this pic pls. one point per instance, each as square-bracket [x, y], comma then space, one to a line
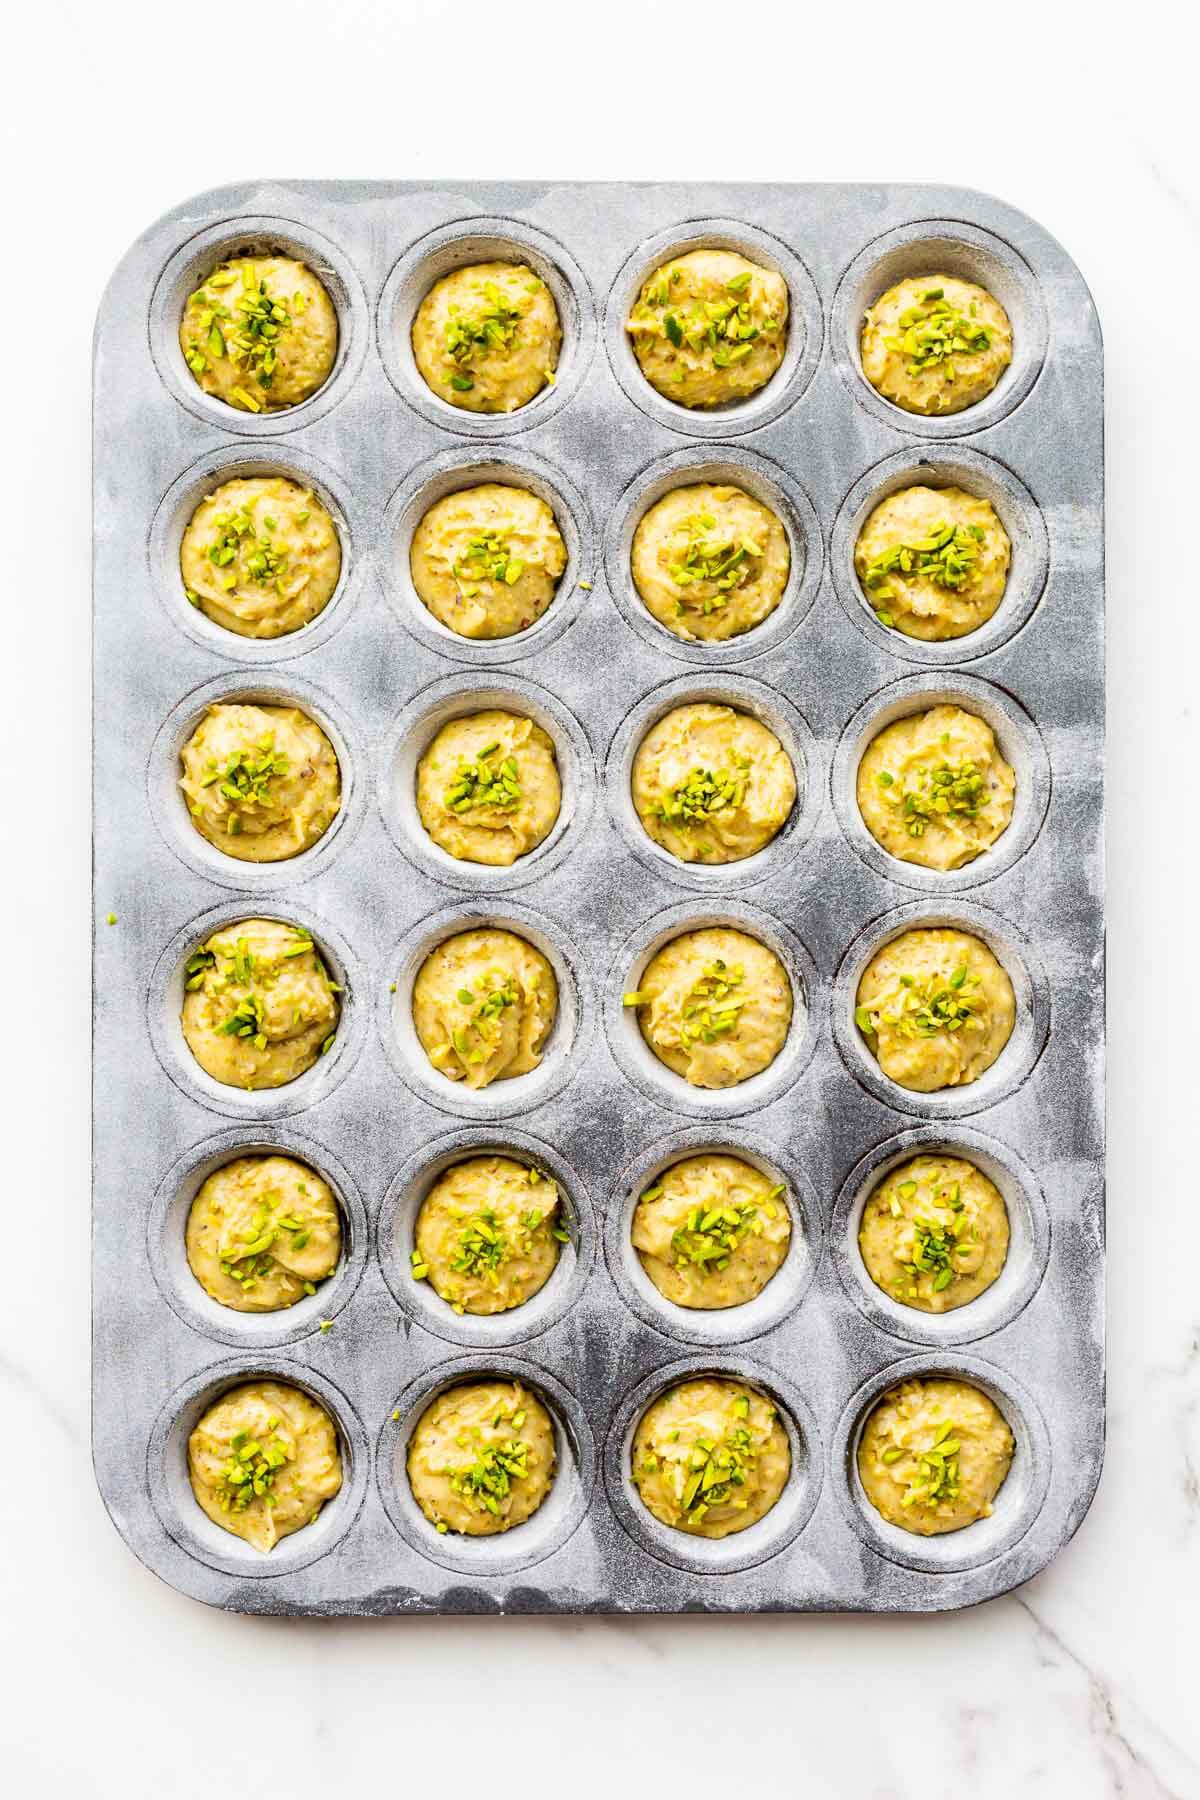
[1006, 213]
[141, 1554]
[1013, 1578]
[195, 204]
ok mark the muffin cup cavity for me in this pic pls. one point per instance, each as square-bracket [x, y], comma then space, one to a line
[981, 476]
[770, 708]
[261, 235]
[1017, 739]
[455, 697]
[765, 481]
[969, 253]
[1031, 993]
[449, 473]
[564, 1046]
[457, 246]
[729, 1325]
[1028, 1247]
[1017, 1503]
[180, 1513]
[405, 1195]
[800, 359]
[232, 462]
[165, 1003]
[167, 1247]
[556, 1519]
[169, 806]
[642, 1067]
[741, 1549]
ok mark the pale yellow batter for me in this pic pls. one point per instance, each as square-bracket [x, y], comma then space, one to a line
[933, 562]
[259, 1007]
[712, 1231]
[263, 1461]
[935, 344]
[487, 787]
[262, 783]
[712, 785]
[260, 333]
[714, 1005]
[710, 1457]
[710, 562]
[487, 560]
[262, 1232]
[483, 1005]
[487, 337]
[482, 1458]
[934, 789]
[933, 1455]
[935, 1007]
[260, 556]
[488, 1234]
[934, 1234]
[709, 327]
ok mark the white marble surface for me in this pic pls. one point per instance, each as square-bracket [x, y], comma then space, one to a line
[1083, 1684]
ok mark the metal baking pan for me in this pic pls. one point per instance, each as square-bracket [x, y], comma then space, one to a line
[377, 670]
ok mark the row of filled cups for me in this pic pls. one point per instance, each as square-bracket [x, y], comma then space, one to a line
[710, 1455]
[711, 559]
[719, 1238]
[933, 1009]
[709, 328]
[711, 782]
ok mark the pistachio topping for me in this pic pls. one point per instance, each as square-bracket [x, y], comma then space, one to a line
[486, 558]
[484, 1007]
[704, 792]
[935, 1475]
[711, 1235]
[712, 1006]
[485, 782]
[246, 327]
[944, 791]
[708, 554]
[723, 329]
[472, 336]
[238, 542]
[487, 1481]
[946, 557]
[245, 778]
[716, 1469]
[934, 332]
[251, 1470]
[923, 1009]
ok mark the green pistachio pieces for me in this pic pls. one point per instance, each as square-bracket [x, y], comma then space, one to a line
[489, 1480]
[936, 795]
[934, 332]
[247, 329]
[946, 556]
[487, 558]
[712, 1005]
[716, 560]
[250, 1472]
[703, 793]
[471, 337]
[485, 783]
[711, 1237]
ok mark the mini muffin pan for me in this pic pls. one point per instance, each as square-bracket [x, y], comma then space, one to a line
[380, 675]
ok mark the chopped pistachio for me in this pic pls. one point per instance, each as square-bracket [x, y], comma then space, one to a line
[946, 557]
[483, 783]
[934, 332]
[703, 793]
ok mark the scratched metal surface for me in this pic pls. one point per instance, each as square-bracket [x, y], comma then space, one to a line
[819, 445]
